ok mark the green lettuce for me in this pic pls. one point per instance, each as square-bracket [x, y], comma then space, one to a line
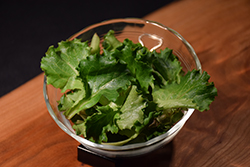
[120, 92]
[60, 64]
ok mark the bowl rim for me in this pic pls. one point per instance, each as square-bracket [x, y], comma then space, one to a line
[152, 141]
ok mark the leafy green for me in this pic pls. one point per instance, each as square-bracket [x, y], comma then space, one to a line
[194, 91]
[70, 99]
[167, 65]
[110, 42]
[119, 93]
[139, 69]
[96, 126]
[60, 64]
[131, 111]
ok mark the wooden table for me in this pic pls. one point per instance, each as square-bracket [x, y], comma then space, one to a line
[219, 31]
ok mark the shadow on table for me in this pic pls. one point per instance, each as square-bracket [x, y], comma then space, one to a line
[157, 158]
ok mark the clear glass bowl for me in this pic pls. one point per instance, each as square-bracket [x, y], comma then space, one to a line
[150, 34]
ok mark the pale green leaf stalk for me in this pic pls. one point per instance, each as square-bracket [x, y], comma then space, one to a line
[95, 44]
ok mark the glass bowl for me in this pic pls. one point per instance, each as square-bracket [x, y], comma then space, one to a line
[154, 36]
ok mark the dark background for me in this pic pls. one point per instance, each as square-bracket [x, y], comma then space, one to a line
[28, 28]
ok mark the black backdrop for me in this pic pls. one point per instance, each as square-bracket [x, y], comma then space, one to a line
[29, 27]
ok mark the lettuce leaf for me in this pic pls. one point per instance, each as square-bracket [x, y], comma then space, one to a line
[70, 99]
[139, 69]
[98, 125]
[60, 64]
[194, 91]
[103, 77]
[167, 65]
[132, 110]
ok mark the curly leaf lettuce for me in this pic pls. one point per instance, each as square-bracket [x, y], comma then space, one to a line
[96, 126]
[132, 110]
[60, 64]
[193, 91]
[139, 69]
[119, 92]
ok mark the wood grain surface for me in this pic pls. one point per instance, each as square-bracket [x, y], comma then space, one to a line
[219, 31]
